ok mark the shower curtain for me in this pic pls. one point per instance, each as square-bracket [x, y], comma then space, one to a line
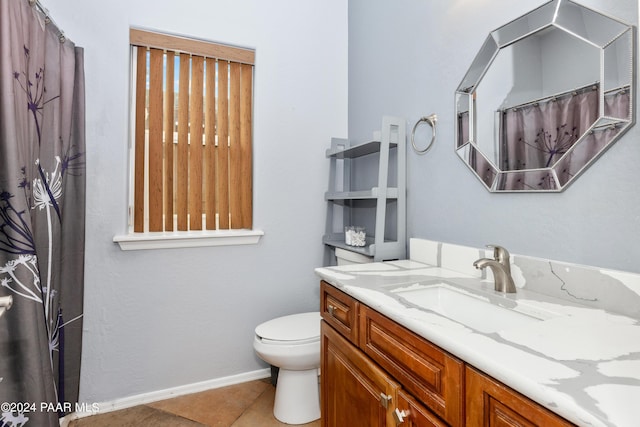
[42, 198]
[537, 135]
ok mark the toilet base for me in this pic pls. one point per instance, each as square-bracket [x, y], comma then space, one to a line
[297, 398]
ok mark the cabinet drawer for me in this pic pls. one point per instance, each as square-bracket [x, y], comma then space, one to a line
[340, 311]
[410, 413]
[490, 403]
[424, 370]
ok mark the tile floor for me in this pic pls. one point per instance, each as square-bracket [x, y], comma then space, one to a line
[243, 405]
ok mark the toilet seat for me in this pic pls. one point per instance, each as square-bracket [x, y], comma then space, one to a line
[283, 343]
[300, 328]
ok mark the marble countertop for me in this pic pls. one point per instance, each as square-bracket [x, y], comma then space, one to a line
[580, 362]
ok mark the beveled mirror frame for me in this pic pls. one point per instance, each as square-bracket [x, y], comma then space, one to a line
[474, 145]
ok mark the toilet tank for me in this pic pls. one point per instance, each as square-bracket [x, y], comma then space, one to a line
[345, 257]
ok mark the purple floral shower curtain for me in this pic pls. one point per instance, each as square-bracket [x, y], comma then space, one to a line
[537, 135]
[42, 199]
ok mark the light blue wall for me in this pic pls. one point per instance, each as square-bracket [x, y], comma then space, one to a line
[406, 58]
[159, 319]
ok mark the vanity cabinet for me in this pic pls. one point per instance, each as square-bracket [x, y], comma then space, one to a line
[356, 392]
[365, 357]
[375, 372]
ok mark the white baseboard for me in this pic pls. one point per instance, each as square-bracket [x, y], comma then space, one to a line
[154, 396]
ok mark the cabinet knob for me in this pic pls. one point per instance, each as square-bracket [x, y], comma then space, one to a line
[331, 309]
[400, 416]
[385, 399]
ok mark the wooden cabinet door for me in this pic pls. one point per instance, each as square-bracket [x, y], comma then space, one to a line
[430, 374]
[354, 391]
[490, 403]
[410, 413]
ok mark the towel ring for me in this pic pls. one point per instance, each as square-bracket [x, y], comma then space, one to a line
[431, 119]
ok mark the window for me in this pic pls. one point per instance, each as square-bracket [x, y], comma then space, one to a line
[192, 137]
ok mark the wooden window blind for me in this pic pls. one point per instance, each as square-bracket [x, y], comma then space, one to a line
[192, 166]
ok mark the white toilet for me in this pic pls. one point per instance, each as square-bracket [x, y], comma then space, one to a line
[345, 257]
[292, 343]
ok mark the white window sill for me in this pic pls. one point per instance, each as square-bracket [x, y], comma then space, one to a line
[187, 239]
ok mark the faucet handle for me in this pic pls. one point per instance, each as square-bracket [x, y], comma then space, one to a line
[500, 254]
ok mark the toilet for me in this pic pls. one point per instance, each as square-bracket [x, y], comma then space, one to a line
[345, 257]
[292, 343]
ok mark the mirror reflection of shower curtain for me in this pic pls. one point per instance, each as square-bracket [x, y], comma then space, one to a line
[536, 135]
[42, 217]
[616, 104]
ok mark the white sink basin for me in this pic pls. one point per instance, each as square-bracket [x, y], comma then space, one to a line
[471, 310]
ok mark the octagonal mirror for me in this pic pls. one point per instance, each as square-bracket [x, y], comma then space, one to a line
[545, 96]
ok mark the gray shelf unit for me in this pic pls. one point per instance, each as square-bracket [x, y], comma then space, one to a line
[342, 199]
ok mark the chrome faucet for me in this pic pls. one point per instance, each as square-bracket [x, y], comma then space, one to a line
[500, 267]
[501, 255]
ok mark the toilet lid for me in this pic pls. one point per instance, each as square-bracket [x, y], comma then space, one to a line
[295, 327]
